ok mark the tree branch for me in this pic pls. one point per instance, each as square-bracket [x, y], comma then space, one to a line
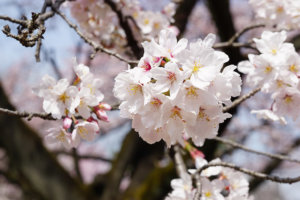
[87, 157]
[241, 100]
[237, 145]
[251, 173]
[231, 41]
[271, 166]
[180, 165]
[27, 115]
[132, 42]
[91, 43]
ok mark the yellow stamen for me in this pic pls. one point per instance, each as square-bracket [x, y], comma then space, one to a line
[146, 21]
[191, 91]
[156, 102]
[82, 131]
[279, 9]
[92, 89]
[293, 68]
[279, 83]
[61, 136]
[176, 112]
[274, 51]
[63, 97]
[156, 25]
[288, 99]
[203, 115]
[268, 69]
[135, 88]
[197, 66]
[207, 194]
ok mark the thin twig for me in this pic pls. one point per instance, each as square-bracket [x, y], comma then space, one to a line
[241, 99]
[251, 173]
[16, 21]
[231, 41]
[91, 43]
[27, 115]
[30, 115]
[86, 157]
[237, 145]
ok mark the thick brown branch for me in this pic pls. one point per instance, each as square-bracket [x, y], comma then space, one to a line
[132, 42]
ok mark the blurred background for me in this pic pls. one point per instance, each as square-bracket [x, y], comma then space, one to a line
[138, 171]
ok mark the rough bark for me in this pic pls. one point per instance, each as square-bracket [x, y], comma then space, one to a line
[32, 163]
[182, 15]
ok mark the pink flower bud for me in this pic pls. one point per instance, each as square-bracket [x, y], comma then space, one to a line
[196, 153]
[101, 114]
[67, 122]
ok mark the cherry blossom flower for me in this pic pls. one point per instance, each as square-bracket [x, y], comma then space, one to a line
[59, 136]
[83, 98]
[275, 70]
[61, 99]
[84, 130]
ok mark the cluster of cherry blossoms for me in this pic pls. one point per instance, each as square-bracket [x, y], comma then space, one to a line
[217, 183]
[100, 23]
[151, 23]
[177, 91]
[63, 100]
[276, 70]
[279, 13]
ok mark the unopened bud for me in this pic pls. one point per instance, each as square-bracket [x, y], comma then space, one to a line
[67, 122]
[101, 114]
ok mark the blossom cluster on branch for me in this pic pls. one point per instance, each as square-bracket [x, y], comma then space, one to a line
[216, 183]
[62, 100]
[276, 70]
[280, 13]
[177, 91]
[100, 23]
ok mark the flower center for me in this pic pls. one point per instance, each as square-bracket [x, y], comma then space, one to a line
[203, 115]
[208, 194]
[268, 69]
[135, 89]
[197, 66]
[175, 112]
[146, 21]
[82, 131]
[191, 91]
[288, 99]
[156, 102]
[63, 97]
[172, 76]
[293, 68]
[61, 136]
